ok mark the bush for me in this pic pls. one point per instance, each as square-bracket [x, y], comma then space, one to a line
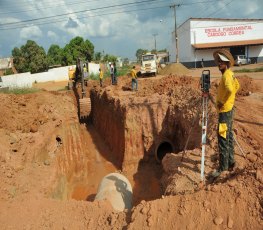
[260, 69]
[8, 72]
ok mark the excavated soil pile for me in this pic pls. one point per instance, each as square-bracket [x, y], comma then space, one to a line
[247, 85]
[175, 68]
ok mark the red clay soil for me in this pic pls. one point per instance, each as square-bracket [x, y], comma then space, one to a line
[48, 161]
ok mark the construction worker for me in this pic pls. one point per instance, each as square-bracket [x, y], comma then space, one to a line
[85, 71]
[115, 73]
[101, 77]
[224, 102]
[112, 73]
[134, 78]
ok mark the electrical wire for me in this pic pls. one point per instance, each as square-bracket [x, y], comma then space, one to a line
[90, 16]
[80, 11]
[47, 7]
[21, 23]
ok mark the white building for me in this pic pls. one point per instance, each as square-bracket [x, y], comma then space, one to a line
[198, 38]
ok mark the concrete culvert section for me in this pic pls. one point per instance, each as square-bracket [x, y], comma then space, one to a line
[162, 149]
[117, 189]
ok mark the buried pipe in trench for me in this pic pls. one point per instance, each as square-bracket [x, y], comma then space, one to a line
[162, 149]
[117, 189]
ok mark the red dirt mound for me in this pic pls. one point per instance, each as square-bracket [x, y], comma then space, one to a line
[175, 68]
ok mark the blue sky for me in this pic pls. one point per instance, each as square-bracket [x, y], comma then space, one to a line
[117, 27]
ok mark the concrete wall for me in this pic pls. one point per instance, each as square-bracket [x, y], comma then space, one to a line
[184, 39]
[25, 80]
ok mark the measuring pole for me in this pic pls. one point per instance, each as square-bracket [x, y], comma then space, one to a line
[204, 131]
[175, 32]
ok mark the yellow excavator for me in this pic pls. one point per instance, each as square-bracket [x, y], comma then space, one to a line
[78, 77]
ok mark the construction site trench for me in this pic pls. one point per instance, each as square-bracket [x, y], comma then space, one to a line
[52, 162]
[137, 130]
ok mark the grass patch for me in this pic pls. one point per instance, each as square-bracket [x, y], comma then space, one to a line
[121, 71]
[18, 91]
[65, 88]
[260, 69]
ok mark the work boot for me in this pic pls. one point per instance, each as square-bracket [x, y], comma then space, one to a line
[231, 166]
[216, 173]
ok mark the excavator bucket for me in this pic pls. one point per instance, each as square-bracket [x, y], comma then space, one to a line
[84, 107]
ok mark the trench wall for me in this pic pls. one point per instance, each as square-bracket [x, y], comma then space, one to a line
[108, 117]
[135, 129]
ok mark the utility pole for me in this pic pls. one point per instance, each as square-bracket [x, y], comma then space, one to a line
[155, 42]
[175, 32]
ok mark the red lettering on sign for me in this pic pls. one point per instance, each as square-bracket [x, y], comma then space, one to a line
[231, 30]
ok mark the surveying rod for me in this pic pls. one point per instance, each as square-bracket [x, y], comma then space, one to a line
[205, 85]
[204, 132]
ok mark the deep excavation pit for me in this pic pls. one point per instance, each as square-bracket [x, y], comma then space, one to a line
[129, 133]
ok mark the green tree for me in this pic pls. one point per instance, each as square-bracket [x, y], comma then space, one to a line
[163, 50]
[97, 56]
[126, 61]
[30, 58]
[77, 48]
[54, 55]
[109, 58]
[139, 54]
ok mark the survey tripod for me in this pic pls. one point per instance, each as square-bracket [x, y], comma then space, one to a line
[205, 86]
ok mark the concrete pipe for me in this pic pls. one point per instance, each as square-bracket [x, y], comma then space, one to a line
[162, 149]
[117, 190]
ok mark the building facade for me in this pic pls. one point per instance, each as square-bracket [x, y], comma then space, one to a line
[198, 38]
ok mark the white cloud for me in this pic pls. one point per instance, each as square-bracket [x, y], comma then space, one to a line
[9, 20]
[251, 7]
[52, 35]
[30, 32]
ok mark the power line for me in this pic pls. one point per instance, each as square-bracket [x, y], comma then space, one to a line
[80, 11]
[21, 22]
[47, 7]
[25, 4]
[213, 13]
[90, 16]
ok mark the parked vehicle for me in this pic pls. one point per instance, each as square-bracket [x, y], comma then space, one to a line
[148, 64]
[242, 60]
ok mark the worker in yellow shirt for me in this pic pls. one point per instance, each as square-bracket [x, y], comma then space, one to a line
[101, 77]
[225, 100]
[134, 79]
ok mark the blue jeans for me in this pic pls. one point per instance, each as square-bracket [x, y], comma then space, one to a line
[134, 82]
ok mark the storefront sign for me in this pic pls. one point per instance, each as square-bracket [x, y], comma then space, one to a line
[227, 31]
